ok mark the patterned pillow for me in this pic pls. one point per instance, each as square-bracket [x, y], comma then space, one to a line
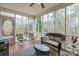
[51, 37]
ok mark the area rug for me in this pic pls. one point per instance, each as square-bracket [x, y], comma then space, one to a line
[25, 52]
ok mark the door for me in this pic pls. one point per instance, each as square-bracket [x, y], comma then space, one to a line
[8, 29]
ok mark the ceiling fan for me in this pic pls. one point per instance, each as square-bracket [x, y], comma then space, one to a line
[42, 5]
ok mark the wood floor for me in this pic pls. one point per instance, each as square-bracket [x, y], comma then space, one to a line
[26, 45]
[29, 44]
[16, 47]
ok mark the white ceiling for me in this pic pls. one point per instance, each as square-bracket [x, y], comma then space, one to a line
[24, 7]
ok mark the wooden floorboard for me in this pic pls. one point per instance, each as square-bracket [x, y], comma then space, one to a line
[16, 47]
[29, 44]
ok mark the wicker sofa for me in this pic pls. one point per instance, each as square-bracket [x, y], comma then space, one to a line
[54, 40]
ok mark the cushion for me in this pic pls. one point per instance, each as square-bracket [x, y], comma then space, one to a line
[51, 37]
[57, 38]
[51, 42]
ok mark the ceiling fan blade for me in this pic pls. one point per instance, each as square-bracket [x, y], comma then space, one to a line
[42, 5]
[31, 4]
